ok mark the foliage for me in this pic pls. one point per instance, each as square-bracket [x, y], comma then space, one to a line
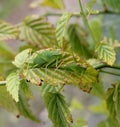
[59, 117]
[106, 52]
[56, 56]
[7, 31]
[113, 102]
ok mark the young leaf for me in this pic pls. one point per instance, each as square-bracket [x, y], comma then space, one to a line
[61, 28]
[24, 109]
[58, 4]
[106, 52]
[57, 109]
[7, 31]
[38, 32]
[13, 82]
[21, 58]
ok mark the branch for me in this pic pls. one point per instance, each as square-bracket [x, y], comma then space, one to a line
[111, 73]
[107, 66]
[77, 14]
[85, 20]
[3, 83]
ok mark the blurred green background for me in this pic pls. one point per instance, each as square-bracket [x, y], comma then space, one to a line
[81, 104]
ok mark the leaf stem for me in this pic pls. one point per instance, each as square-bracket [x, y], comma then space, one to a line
[107, 66]
[2, 83]
[111, 73]
[85, 20]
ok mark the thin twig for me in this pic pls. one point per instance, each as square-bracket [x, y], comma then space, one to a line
[78, 14]
[86, 21]
[107, 66]
[111, 73]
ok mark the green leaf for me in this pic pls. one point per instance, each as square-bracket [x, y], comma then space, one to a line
[47, 58]
[7, 31]
[77, 41]
[13, 82]
[106, 52]
[95, 63]
[57, 109]
[80, 123]
[96, 27]
[6, 101]
[24, 109]
[25, 87]
[115, 4]
[46, 88]
[57, 4]
[37, 31]
[54, 67]
[32, 77]
[113, 102]
[88, 78]
[108, 123]
[98, 90]
[21, 58]
[61, 28]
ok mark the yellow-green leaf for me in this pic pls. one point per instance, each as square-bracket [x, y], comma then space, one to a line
[106, 53]
[21, 58]
[13, 82]
[37, 31]
[61, 28]
[31, 76]
[7, 31]
[88, 78]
